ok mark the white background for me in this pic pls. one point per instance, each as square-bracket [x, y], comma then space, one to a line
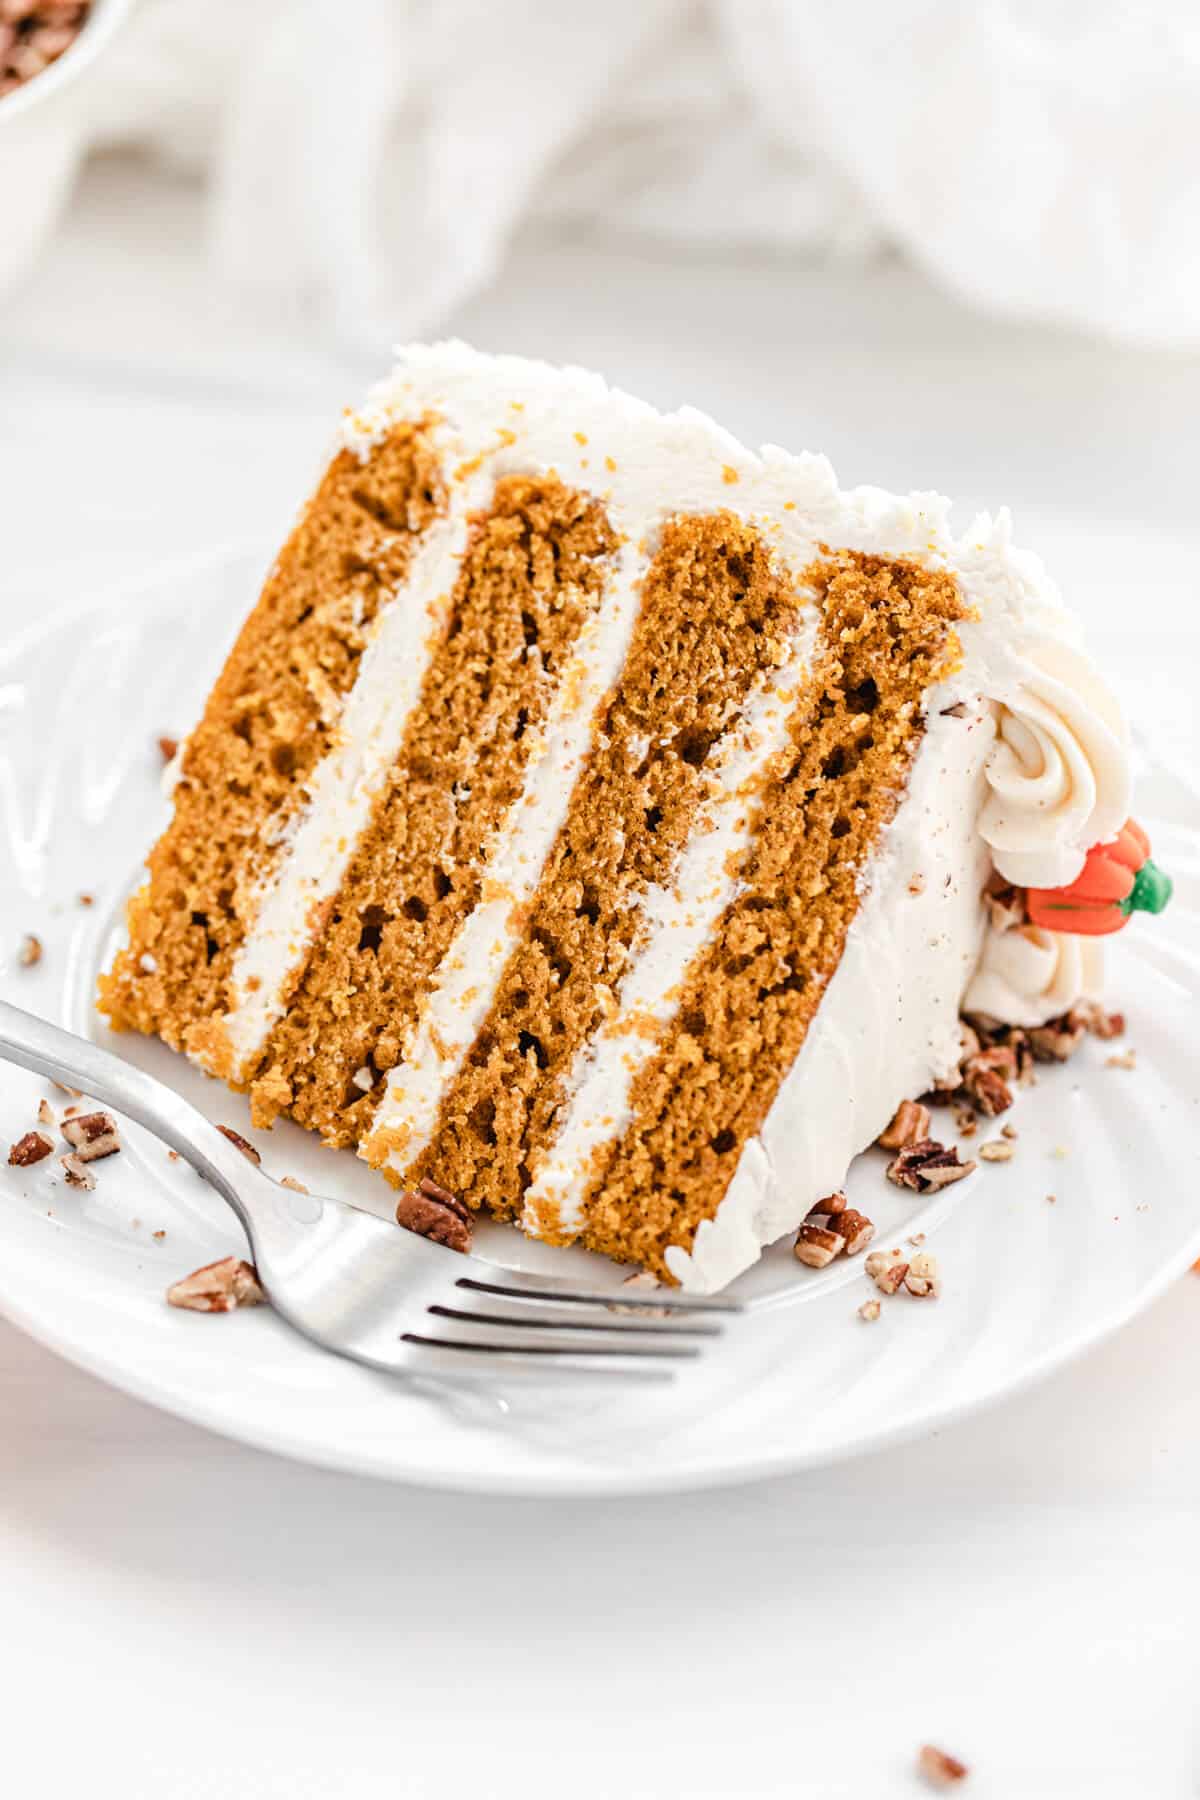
[182, 1617]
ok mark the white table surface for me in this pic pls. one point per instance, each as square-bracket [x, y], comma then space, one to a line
[182, 1617]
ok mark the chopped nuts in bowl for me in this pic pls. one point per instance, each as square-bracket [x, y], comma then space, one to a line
[43, 115]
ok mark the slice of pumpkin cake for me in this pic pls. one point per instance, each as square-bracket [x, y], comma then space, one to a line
[606, 822]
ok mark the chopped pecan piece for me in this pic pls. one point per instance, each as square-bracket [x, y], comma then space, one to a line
[433, 1213]
[240, 1143]
[816, 1246]
[218, 1287]
[46, 1113]
[1000, 1057]
[923, 1278]
[642, 1281]
[996, 1150]
[1121, 1059]
[869, 1311]
[76, 1172]
[856, 1229]
[34, 1147]
[1005, 904]
[828, 1208]
[887, 1269]
[939, 1768]
[1019, 1043]
[1102, 1024]
[1058, 1039]
[985, 1082]
[92, 1135]
[910, 1123]
[30, 953]
[927, 1165]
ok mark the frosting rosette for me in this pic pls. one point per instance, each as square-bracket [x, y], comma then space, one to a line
[1027, 975]
[1058, 776]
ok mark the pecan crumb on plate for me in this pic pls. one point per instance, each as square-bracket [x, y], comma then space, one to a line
[30, 953]
[34, 1147]
[924, 1277]
[887, 1269]
[816, 1246]
[857, 1230]
[92, 1135]
[76, 1172]
[927, 1165]
[986, 1077]
[939, 1768]
[218, 1287]
[828, 1208]
[432, 1212]
[240, 1143]
[910, 1124]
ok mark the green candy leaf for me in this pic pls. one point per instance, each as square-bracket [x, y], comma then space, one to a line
[1152, 888]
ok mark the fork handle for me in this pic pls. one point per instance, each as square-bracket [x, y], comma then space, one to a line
[46, 1049]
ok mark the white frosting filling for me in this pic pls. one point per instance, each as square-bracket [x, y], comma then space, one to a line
[1027, 975]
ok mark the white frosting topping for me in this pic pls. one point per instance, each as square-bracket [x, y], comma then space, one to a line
[1027, 975]
[679, 920]
[1059, 775]
[887, 1028]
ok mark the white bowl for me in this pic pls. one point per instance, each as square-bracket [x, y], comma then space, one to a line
[43, 128]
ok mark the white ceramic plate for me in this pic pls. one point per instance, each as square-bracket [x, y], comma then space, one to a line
[802, 1381]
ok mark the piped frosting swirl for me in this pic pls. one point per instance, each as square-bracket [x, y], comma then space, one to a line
[1028, 975]
[1059, 775]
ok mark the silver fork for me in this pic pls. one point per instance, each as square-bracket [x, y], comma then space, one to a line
[366, 1288]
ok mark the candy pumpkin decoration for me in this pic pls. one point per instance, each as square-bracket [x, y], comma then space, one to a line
[1117, 879]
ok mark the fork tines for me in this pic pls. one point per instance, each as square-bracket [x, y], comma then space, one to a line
[521, 1287]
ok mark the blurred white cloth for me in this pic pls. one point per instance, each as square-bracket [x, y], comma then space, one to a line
[371, 159]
